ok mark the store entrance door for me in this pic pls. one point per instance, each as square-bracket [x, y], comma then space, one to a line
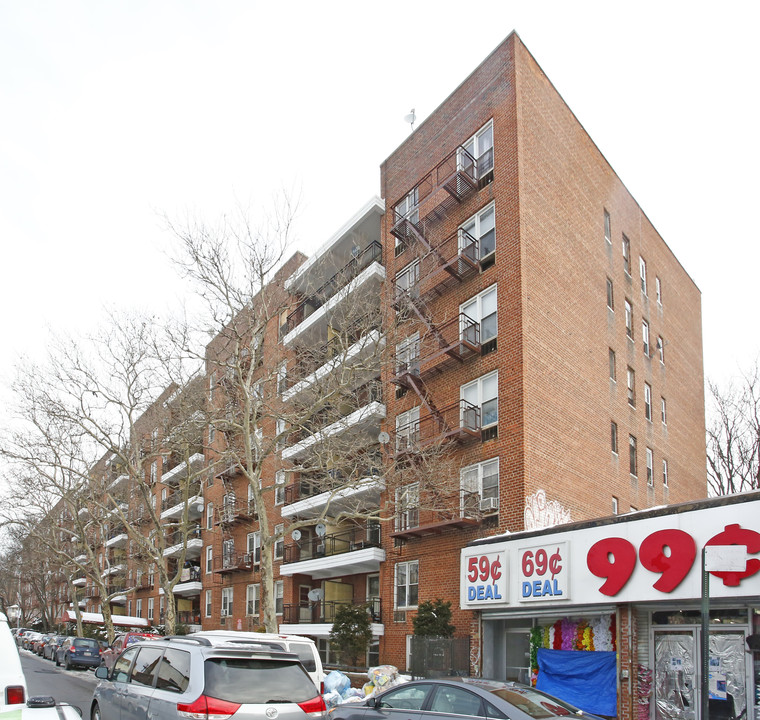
[677, 675]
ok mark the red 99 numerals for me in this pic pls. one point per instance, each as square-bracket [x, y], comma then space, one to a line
[668, 552]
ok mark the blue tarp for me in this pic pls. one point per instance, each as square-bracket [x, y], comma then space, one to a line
[585, 679]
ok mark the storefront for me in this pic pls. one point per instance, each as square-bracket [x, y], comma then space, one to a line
[606, 613]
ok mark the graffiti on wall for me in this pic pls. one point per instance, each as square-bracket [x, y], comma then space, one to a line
[543, 513]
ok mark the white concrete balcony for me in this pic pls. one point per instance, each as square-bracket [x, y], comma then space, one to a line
[117, 541]
[181, 471]
[194, 548]
[83, 513]
[322, 630]
[365, 418]
[80, 558]
[79, 582]
[119, 600]
[195, 507]
[114, 570]
[120, 481]
[188, 589]
[365, 490]
[357, 562]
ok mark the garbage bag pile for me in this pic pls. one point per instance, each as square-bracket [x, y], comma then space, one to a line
[338, 688]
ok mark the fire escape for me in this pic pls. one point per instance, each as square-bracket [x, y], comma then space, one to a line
[231, 514]
[434, 269]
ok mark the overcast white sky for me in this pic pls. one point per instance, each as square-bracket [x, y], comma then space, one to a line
[113, 113]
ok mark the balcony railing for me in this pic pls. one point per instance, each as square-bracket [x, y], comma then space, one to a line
[458, 421]
[456, 509]
[234, 562]
[176, 537]
[324, 611]
[311, 485]
[372, 253]
[178, 496]
[189, 617]
[231, 512]
[356, 538]
[190, 574]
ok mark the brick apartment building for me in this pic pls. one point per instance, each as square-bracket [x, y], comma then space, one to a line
[536, 328]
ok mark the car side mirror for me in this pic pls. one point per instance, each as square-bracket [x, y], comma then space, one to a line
[102, 673]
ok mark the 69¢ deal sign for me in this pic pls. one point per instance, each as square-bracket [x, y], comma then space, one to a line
[543, 572]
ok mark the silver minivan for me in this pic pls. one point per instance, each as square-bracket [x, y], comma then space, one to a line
[201, 678]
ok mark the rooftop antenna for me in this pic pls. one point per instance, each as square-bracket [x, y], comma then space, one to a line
[410, 118]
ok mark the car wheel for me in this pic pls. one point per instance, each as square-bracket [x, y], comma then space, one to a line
[57, 661]
[95, 712]
[68, 663]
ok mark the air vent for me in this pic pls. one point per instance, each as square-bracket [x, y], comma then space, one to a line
[488, 347]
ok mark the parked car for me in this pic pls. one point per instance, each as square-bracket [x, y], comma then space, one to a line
[109, 654]
[304, 647]
[193, 677]
[457, 698]
[13, 690]
[39, 644]
[78, 652]
[52, 645]
[29, 638]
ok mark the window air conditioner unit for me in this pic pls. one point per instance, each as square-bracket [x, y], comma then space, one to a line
[489, 504]
[247, 559]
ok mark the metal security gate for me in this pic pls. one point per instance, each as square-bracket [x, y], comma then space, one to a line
[439, 657]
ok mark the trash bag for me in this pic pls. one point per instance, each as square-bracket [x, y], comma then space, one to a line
[337, 682]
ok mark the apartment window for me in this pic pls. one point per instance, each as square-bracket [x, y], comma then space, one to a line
[207, 604]
[643, 274]
[278, 597]
[138, 608]
[279, 543]
[628, 319]
[482, 309]
[252, 599]
[650, 467]
[153, 472]
[631, 387]
[151, 602]
[209, 516]
[151, 575]
[483, 393]
[663, 411]
[209, 558]
[632, 457]
[408, 277]
[481, 483]
[282, 378]
[645, 336]
[481, 227]
[280, 429]
[408, 208]
[480, 148]
[626, 255]
[407, 507]
[253, 546]
[614, 505]
[227, 598]
[614, 437]
[610, 295]
[648, 401]
[607, 228]
[658, 290]
[661, 348]
[211, 385]
[407, 584]
[279, 487]
[665, 473]
[613, 371]
[211, 434]
[407, 428]
[408, 354]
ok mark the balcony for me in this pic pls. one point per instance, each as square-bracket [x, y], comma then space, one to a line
[114, 570]
[180, 471]
[237, 511]
[79, 582]
[369, 411]
[117, 540]
[189, 582]
[348, 552]
[194, 544]
[457, 510]
[120, 482]
[92, 591]
[446, 345]
[119, 600]
[459, 421]
[324, 611]
[235, 562]
[175, 504]
[307, 498]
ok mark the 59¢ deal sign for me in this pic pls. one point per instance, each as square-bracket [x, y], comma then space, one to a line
[485, 576]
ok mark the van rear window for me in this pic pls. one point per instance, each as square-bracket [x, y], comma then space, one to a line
[305, 655]
[254, 680]
[85, 642]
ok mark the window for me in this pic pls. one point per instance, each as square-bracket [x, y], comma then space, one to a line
[227, 602]
[480, 148]
[614, 437]
[228, 553]
[643, 274]
[648, 401]
[632, 460]
[151, 605]
[278, 597]
[252, 600]
[253, 546]
[209, 558]
[153, 472]
[161, 608]
[282, 378]
[279, 487]
[628, 319]
[280, 429]
[483, 393]
[408, 277]
[211, 385]
[663, 411]
[607, 228]
[174, 671]
[626, 255]
[407, 428]
[665, 473]
[482, 482]
[481, 227]
[610, 295]
[151, 575]
[138, 607]
[408, 355]
[209, 516]
[279, 543]
[211, 434]
[407, 584]
[408, 208]
[407, 507]
[650, 467]
[631, 387]
[658, 290]
[645, 336]
[614, 505]
[481, 309]
[613, 372]
[208, 603]
[661, 348]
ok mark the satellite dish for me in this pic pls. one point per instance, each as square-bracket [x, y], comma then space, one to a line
[410, 118]
[320, 529]
[315, 594]
[383, 438]
[296, 535]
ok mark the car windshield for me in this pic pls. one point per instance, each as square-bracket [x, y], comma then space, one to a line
[535, 703]
[134, 639]
[276, 681]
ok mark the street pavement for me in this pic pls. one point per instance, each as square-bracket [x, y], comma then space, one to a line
[71, 686]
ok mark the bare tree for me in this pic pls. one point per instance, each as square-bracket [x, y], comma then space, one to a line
[733, 436]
